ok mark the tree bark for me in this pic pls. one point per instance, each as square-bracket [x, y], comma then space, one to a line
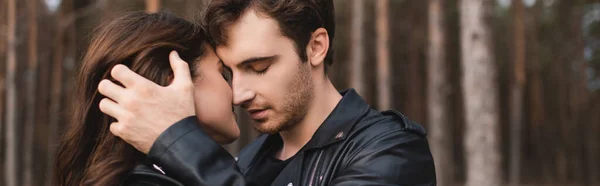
[415, 107]
[47, 43]
[592, 144]
[580, 96]
[32, 66]
[415, 100]
[562, 69]
[383, 55]
[10, 169]
[482, 146]
[518, 83]
[575, 94]
[357, 59]
[152, 6]
[60, 57]
[537, 120]
[3, 43]
[438, 95]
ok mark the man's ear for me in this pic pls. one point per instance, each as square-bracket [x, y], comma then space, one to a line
[317, 47]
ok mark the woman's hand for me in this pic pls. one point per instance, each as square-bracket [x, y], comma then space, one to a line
[143, 109]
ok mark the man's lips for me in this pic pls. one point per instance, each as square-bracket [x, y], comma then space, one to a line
[258, 114]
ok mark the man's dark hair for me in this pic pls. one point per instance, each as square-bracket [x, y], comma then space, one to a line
[297, 19]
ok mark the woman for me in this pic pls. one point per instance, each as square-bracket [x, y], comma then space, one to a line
[88, 153]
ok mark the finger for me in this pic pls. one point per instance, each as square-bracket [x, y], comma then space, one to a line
[115, 129]
[181, 69]
[111, 108]
[128, 77]
[111, 90]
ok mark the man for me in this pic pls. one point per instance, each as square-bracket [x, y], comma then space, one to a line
[278, 52]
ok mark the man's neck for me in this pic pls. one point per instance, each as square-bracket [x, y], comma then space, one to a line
[325, 100]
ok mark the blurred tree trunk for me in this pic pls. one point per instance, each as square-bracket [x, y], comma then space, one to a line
[152, 6]
[562, 68]
[10, 162]
[438, 95]
[234, 148]
[518, 83]
[61, 56]
[47, 44]
[357, 60]
[579, 96]
[482, 140]
[575, 95]
[539, 129]
[383, 55]
[192, 8]
[579, 109]
[415, 106]
[592, 143]
[3, 42]
[31, 84]
[339, 75]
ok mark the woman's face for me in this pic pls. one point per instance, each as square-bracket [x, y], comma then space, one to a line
[213, 99]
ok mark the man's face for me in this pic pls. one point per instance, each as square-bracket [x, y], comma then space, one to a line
[269, 79]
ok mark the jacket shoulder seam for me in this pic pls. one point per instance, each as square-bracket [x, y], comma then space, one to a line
[362, 147]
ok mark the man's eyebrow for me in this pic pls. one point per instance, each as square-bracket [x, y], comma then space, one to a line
[255, 59]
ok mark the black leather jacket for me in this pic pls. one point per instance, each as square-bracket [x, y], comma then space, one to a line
[147, 175]
[356, 145]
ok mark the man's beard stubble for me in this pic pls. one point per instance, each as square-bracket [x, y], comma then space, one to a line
[294, 110]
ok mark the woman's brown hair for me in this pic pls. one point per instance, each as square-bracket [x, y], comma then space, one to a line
[88, 153]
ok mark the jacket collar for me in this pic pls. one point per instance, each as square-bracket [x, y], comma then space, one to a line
[336, 126]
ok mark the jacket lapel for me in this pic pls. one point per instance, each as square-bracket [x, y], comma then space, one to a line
[348, 111]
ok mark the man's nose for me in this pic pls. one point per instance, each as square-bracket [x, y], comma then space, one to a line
[241, 93]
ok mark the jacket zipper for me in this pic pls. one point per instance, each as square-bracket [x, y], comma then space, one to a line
[312, 176]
